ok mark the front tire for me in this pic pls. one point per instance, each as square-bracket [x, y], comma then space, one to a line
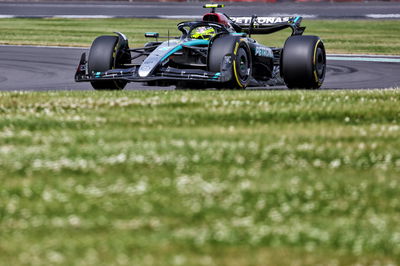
[102, 58]
[303, 62]
[241, 65]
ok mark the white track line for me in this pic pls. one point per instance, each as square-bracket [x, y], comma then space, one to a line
[366, 55]
[179, 17]
[381, 16]
[364, 59]
[82, 16]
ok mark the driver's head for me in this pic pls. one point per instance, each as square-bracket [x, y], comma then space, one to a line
[203, 32]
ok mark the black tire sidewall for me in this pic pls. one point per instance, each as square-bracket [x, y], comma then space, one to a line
[102, 58]
[229, 45]
[298, 62]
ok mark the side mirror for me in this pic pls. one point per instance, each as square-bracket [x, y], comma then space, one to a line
[151, 35]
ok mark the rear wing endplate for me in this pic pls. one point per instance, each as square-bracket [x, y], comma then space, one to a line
[266, 25]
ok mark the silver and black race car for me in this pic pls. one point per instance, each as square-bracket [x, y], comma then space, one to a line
[217, 52]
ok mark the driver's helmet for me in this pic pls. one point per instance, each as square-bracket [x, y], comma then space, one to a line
[203, 32]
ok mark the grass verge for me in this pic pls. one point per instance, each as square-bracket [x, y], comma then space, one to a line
[340, 36]
[200, 178]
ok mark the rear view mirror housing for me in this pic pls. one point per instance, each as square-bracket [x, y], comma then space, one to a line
[151, 35]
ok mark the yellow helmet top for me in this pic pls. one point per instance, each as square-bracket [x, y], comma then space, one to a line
[203, 32]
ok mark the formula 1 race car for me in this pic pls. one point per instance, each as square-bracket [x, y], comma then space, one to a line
[217, 52]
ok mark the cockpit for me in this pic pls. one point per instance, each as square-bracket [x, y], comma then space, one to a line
[201, 30]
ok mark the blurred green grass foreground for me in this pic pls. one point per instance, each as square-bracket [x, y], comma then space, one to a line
[200, 178]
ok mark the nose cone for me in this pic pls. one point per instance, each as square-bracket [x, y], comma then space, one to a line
[156, 57]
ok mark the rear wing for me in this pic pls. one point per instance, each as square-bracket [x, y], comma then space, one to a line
[267, 25]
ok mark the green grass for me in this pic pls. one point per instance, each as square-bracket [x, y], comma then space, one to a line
[340, 36]
[200, 178]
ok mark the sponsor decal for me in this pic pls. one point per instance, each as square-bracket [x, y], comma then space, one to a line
[260, 20]
[263, 51]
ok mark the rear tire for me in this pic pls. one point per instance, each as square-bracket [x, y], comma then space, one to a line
[303, 62]
[102, 58]
[239, 51]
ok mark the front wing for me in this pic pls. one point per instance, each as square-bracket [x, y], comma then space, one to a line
[161, 74]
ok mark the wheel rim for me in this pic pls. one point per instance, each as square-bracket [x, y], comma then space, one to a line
[320, 63]
[243, 64]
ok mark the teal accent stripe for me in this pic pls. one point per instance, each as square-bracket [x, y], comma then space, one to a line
[197, 42]
[297, 18]
[241, 34]
[364, 59]
[189, 43]
[217, 75]
[177, 48]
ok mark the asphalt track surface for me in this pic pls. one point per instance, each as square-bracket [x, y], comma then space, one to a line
[178, 10]
[44, 68]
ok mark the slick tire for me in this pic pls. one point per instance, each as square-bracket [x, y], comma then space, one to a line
[102, 58]
[303, 62]
[241, 67]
